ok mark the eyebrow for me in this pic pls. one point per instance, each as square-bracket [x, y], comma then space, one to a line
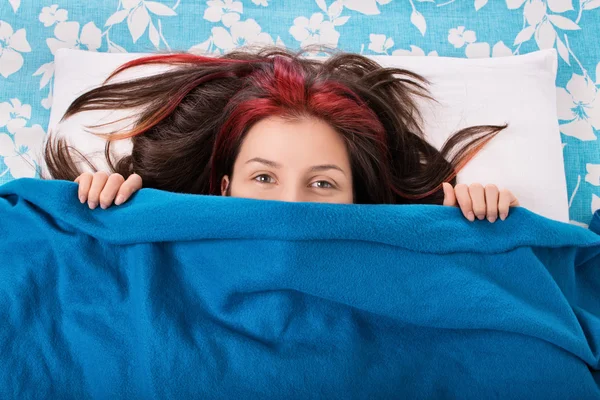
[268, 163]
[315, 168]
[326, 167]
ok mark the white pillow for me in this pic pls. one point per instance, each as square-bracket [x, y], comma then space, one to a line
[526, 158]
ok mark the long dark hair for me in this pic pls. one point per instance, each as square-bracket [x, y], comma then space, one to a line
[195, 115]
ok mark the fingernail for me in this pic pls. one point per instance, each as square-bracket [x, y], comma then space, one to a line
[503, 216]
[481, 217]
[471, 217]
[82, 199]
[103, 206]
[119, 200]
[492, 219]
[93, 205]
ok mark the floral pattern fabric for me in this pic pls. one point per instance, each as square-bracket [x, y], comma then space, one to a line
[32, 31]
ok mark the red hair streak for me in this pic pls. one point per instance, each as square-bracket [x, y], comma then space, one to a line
[280, 89]
[286, 93]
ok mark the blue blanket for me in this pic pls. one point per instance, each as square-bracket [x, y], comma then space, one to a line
[182, 296]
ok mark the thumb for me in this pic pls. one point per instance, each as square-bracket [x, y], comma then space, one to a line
[449, 196]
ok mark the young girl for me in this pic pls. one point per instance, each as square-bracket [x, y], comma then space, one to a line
[273, 125]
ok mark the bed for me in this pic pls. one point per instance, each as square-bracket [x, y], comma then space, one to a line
[220, 297]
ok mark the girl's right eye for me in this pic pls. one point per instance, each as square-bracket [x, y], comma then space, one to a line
[264, 178]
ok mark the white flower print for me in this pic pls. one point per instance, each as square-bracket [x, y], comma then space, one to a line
[129, 4]
[368, 7]
[480, 4]
[477, 50]
[543, 24]
[47, 71]
[67, 35]
[334, 12]
[226, 11]
[14, 115]
[153, 6]
[414, 51]
[260, 2]
[12, 44]
[593, 174]
[205, 48]
[458, 37]
[534, 11]
[501, 50]
[242, 33]
[202, 48]
[21, 150]
[418, 20]
[579, 105]
[47, 102]
[557, 6]
[379, 43]
[15, 4]
[138, 17]
[314, 31]
[590, 4]
[535, 15]
[482, 50]
[50, 15]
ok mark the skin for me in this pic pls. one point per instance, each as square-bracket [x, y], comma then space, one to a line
[304, 160]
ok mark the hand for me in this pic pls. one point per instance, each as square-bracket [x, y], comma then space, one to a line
[475, 200]
[102, 189]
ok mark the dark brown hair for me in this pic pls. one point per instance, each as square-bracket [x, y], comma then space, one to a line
[195, 115]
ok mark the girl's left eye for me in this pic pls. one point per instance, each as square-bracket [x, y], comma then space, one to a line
[322, 185]
[264, 178]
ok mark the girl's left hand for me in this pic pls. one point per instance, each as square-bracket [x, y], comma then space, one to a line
[477, 201]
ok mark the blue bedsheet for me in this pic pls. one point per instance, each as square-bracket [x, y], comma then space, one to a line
[181, 296]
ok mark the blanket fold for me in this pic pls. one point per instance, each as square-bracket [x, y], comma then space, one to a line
[183, 296]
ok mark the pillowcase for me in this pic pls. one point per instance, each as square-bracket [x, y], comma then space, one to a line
[526, 158]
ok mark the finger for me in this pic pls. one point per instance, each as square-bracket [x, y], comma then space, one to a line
[464, 201]
[449, 197]
[110, 190]
[477, 194]
[98, 183]
[85, 182]
[131, 185]
[491, 199]
[507, 200]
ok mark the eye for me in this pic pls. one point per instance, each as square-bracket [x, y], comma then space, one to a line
[264, 178]
[322, 185]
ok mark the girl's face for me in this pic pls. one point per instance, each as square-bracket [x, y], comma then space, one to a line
[303, 160]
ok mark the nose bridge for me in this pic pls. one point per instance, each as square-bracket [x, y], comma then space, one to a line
[292, 191]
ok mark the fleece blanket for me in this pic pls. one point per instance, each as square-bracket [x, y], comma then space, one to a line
[183, 296]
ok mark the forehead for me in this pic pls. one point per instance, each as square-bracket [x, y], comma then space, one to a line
[284, 140]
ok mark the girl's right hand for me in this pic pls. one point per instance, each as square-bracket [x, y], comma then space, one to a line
[99, 188]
